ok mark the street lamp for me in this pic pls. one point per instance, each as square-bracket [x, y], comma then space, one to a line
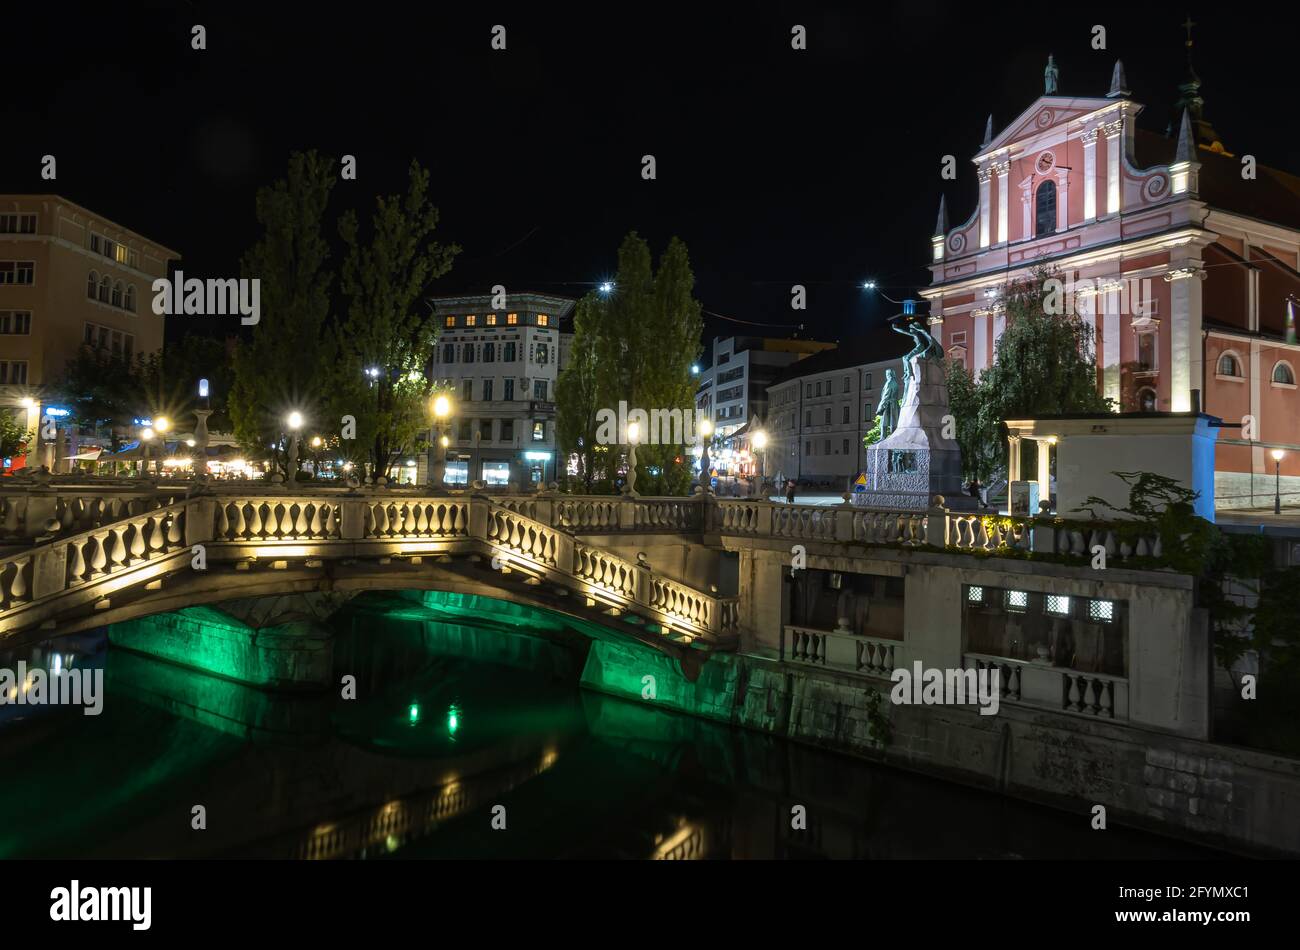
[442, 410]
[294, 421]
[706, 432]
[760, 447]
[146, 436]
[1277, 481]
[633, 437]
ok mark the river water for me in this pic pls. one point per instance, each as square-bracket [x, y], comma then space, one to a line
[453, 751]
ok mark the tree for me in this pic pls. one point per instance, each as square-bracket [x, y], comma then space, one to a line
[109, 391]
[283, 368]
[1043, 365]
[386, 345]
[13, 437]
[635, 345]
[578, 393]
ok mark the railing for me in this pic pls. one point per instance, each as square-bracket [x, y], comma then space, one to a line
[275, 519]
[1096, 695]
[848, 652]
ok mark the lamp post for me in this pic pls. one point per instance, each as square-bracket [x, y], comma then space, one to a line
[760, 448]
[294, 421]
[1277, 481]
[442, 410]
[633, 436]
[146, 436]
[706, 433]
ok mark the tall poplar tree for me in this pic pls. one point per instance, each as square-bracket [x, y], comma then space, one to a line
[386, 345]
[283, 368]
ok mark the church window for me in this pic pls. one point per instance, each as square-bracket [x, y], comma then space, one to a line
[1045, 209]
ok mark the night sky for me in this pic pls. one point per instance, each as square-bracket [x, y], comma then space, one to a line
[775, 166]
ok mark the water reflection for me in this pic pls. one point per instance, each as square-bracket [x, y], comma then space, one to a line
[451, 729]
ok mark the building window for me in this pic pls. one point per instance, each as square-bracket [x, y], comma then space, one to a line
[512, 319]
[539, 389]
[17, 272]
[819, 389]
[1017, 600]
[104, 289]
[846, 384]
[543, 353]
[467, 390]
[846, 446]
[491, 319]
[1146, 399]
[467, 355]
[117, 294]
[466, 425]
[1057, 605]
[508, 429]
[1283, 375]
[130, 299]
[826, 446]
[451, 321]
[807, 448]
[1101, 611]
[92, 285]
[449, 352]
[13, 371]
[15, 322]
[866, 381]
[539, 431]
[489, 352]
[846, 414]
[1146, 352]
[543, 320]
[471, 319]
[487, 390]
[509, 387]
[809, 395]
[827, 416]
[17, 224]
[975, 595]
[1045, 209]
[94, 243]
[1229, 365]
[807, 417]
[508, 354]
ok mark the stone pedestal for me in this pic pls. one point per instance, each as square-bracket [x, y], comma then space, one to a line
[915, 462]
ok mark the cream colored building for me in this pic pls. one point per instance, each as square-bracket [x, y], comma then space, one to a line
[69, 277]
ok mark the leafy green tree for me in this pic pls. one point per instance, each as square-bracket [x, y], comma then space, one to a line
[283, 368]
[635, 345]
[386, 345]
[107, 391]
[1043, 365]
[13, 437]
[578, 394]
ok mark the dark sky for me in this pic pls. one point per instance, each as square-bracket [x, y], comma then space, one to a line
[776, 167]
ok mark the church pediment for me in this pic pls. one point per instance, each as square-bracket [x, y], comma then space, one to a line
[1046, 112]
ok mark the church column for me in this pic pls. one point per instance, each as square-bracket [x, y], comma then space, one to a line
[1110, 344]
[1090, 175]
[1256, 450]
[1003, 235]
[1026, 207]
[1113, 145]
[1062, 199]
[985, 176]
[1013, 461]
[1185, 334]
[981, 353]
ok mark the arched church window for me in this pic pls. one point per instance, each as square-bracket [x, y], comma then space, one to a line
[1283, 375]
[1228, 365]
[1045, 208]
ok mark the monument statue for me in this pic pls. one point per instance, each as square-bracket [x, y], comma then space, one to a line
[926, 347]
[1050, 76]
[888, 407]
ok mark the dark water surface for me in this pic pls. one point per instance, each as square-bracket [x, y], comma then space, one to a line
[443, 737]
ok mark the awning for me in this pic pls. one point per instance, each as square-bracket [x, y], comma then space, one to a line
[88, 456]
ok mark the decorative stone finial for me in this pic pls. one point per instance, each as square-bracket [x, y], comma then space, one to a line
[1118, 83]
[941, 225]
[1050, 76]
[988, 132]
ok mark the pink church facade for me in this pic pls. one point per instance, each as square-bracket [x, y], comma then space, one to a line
[1187, 271]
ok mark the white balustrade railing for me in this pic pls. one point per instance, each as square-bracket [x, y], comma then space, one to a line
[1040, 684]
[840, 650]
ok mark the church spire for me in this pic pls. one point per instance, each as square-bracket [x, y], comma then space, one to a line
[941, 225]
[988, 132]
[1189, 100]
[1186, 151]
[1118, 83]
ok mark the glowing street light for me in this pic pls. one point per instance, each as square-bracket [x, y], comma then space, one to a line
[294, 422]
[315, 442]
[442, 410]
[1277, 480]
[606, 287]
[633, 437]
